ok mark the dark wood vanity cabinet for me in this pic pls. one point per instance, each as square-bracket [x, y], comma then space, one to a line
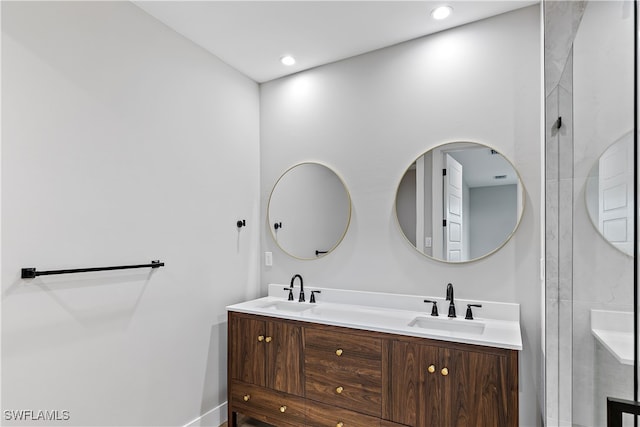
[290, 373]
[452, 385]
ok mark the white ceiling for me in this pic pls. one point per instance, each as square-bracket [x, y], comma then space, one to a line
[252, 36]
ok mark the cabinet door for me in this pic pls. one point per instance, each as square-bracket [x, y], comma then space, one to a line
[284, 368]
[247, 356]
[463, 388]
[433, 395]
[434, 386]
[401, 399]
[477, 387]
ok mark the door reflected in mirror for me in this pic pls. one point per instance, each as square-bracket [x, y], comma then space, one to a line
[459, 202]
[609, 194]
[309, 211]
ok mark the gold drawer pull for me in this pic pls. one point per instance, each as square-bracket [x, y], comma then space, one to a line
[444, 372]
[260, 338]
[339, 352]
[431, 369]
[283, 408]
[246, 397]
[339, 390]
[268, 339]
[340, 424]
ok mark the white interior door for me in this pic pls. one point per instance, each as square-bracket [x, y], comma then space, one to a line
[615, 190]
[453, 224]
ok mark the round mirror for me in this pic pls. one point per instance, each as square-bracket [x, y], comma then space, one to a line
[459, 202]
[309, 211]
[609, 194]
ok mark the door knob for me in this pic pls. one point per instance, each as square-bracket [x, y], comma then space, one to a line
[431, 369]
[339, 390]
[246, 397]
[339, 352]
[268, 339]
[260, 338]
[283, 408]
[444, 372]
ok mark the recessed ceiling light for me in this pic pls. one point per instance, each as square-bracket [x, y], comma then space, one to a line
[441, 12]
[288, 60]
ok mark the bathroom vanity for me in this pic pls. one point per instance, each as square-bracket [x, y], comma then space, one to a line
[370, 359]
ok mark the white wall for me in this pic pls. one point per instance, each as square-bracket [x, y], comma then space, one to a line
[370, 116]
[121, 143]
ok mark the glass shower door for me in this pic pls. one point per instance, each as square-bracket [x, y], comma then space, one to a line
[590, 201]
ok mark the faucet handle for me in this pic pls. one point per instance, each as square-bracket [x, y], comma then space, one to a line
[469, 315]
[434, 308]
[313, 296]
[290, 293]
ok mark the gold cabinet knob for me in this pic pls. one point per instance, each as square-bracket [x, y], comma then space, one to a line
[339, 352]
[340, 424]
[444, 372]
[268, 339]
[260, 338]
[246, 397]
[339, 390]
[431, 369]
[283, 408]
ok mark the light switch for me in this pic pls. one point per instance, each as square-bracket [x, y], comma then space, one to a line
[268, 259]
[427, 242]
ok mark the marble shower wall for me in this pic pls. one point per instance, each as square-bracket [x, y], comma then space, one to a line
[561, 20]
[559, 247]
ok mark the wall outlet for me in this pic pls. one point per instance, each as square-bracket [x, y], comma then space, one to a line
[268, 259]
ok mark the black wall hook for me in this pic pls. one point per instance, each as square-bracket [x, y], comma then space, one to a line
[241, 224]
[277, 225]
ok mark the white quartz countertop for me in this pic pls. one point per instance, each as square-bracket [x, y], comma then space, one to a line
[495, 324]
[614, 330]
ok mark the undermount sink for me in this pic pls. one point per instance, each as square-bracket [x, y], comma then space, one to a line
[351, 314]
[288, 306]
[448, 325]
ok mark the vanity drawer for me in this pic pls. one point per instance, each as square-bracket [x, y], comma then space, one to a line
[343, 345]
[385, 423]
[361, 393]
[267, 405]
[319, 415]
[344, 370]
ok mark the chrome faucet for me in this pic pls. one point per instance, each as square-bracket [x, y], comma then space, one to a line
[301, 297]
[452, 307]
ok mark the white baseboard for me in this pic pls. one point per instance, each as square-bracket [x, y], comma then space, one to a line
[212, 418]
